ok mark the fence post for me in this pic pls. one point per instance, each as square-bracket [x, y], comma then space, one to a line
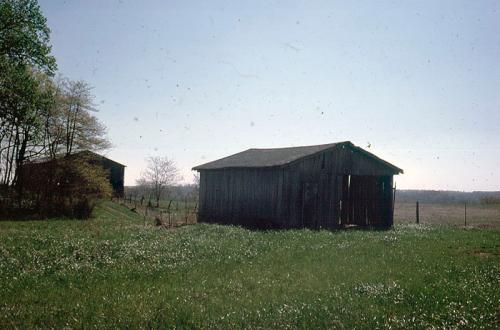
[417, 214]
[195, 212]
[465, 214]
[168, 212]
[186, 211]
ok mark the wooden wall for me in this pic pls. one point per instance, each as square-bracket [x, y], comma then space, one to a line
[116, 176]
[250, 197]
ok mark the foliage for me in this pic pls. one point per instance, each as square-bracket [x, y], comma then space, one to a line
[25, 97]
[24, 35]
[82, 183]
[81, 130]
[24, 52]
[49, 118]
[196, 184]
[114, 272]
[39, 115]
[68, 186]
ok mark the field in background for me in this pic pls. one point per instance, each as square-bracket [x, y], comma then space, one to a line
[176, 213]
[114, 272]
[478, 215]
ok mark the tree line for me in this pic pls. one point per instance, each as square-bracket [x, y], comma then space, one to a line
[447, 197]
[42, 113]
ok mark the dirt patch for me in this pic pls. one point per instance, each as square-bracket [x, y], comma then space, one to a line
[485, 254]
[489, 226]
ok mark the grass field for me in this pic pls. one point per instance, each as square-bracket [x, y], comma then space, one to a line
[112, 271]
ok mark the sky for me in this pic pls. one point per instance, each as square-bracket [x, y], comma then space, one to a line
[415, 82]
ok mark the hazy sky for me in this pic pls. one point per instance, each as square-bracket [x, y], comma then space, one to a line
[199, 80]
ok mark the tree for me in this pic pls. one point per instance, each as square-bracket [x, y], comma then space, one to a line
[82, 130]
[54, 123]
[40, 115]
[196, 179]
[24, 103]
[25, 36]
[196, 185]
[160, 173]
[24, 51]
[49, 117]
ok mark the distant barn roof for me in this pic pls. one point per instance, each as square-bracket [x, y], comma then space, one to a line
[255, 158]
[42, 160]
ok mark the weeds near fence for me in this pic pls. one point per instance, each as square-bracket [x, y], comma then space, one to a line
[169, 214]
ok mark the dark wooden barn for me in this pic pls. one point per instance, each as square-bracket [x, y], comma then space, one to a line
[321, 186]
[115, 170]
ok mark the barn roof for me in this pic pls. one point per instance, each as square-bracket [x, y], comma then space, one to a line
[42, 160]
[255, 158]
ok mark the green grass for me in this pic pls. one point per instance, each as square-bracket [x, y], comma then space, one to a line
[112, 271]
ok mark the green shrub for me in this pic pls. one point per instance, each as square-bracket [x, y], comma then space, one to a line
[69, 186]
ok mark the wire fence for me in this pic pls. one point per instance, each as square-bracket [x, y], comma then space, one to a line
[165, 213]
[457, 214]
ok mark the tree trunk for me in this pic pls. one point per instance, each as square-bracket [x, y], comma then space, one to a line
[19, 177]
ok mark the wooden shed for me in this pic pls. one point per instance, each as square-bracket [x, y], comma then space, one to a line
[320, 186]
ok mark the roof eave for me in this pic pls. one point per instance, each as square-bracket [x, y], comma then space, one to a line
[396, 169]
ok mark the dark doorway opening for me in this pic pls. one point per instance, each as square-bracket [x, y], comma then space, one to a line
[366, 200]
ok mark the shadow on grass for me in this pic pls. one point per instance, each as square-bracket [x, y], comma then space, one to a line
[35, 215]
[261, 225]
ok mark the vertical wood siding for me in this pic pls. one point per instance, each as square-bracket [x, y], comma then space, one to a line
[336, 187]
[251, 197]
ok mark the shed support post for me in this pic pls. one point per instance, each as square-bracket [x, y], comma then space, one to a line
[393, 201]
